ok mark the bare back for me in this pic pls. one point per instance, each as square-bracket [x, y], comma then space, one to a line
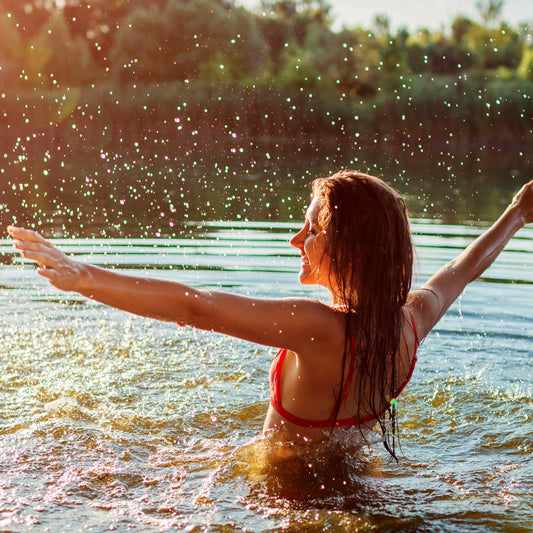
[309, 385]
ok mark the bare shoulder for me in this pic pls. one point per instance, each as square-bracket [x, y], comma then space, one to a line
[322, 322]
[298, 324]
[321, 328]
[426, 307]
[411, 327]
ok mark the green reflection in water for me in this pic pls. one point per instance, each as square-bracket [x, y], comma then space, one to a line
[150, 189]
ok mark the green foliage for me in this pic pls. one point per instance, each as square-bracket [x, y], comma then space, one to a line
[525, 70]
[281, 71]
[439, 54]
[490, 10]
[179, 42]
[291, 41]
[461, 27]
[365, 52]
[287, 23]
[497, 47]
[64, 59]
[97, 21]
[394, 63]
[325, 62]
[11, 49]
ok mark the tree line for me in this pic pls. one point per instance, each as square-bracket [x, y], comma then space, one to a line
[83, 42]
[146, 59]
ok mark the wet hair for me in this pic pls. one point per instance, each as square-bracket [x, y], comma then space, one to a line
[368, 242]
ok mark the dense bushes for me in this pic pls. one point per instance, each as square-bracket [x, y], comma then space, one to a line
[207, 68]
[152, 41]
[422, 110]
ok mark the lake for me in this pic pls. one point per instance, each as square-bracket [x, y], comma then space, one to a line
[151, 188]
[111, 422]
[114, 422]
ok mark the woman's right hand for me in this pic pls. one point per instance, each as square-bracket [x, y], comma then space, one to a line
[60, 270]
[524, 201]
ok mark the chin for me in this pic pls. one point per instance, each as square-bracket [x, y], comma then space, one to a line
[305, 279]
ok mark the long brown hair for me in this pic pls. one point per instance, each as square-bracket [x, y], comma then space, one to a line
[368, 241]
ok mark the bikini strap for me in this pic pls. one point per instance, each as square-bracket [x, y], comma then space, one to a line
[417, 343]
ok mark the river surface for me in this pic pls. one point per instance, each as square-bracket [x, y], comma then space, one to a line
[111, 422]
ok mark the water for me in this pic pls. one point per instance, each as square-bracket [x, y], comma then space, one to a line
[152, 189]
[110, 422]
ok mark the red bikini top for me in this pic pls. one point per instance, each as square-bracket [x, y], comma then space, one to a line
[275, 392]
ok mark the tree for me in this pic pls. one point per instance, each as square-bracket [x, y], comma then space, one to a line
[312, 10]
[242, 51]
[393, 61]
[276, 33]
[381, 25]
[497, 47]
[297, 16]
[177, 42]
[490, 11]
[325, 61]
[12, 51]
[439, 54]
[60, 58]
[446, 57]
[29, 15]
[366, 52]
[525, 70]
[97, 21]
[417, 50]
[460, 28]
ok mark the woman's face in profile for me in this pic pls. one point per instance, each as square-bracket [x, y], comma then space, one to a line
[311, 241]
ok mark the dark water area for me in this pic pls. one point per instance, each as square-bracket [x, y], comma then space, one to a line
[151, 187]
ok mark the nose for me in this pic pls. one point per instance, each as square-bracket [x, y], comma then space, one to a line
[298, 240]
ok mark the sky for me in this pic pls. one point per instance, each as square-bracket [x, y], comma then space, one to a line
[414, 14]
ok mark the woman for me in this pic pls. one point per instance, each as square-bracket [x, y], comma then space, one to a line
[342, 364]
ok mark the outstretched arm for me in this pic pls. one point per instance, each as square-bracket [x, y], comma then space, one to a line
[294, 323]
[430, 302]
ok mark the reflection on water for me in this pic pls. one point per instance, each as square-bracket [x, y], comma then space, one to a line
[151, 189]
[110, 421]
[327, 474]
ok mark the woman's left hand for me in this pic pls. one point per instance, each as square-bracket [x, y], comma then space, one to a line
[60, 270]
[524, 200]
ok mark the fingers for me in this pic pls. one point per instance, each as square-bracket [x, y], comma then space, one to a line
[23, 234]
[29, 242]
[42, 258]
[31, 246]
[43, 253]
[35, 247]
[524, 200]
[54, 265]
[49, 273]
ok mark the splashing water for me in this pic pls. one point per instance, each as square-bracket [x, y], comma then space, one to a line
[115, 422]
